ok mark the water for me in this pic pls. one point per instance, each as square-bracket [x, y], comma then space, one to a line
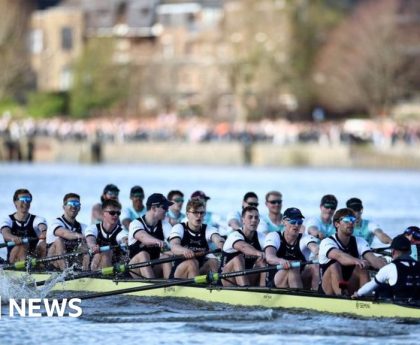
[391, 198]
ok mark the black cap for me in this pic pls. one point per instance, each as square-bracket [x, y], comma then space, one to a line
[402, 243]
[198, 194]
[329, 200]
[111, 188]
[157, 199]
[292, 213]
[355, 204]
[413, 230]
[136, 190]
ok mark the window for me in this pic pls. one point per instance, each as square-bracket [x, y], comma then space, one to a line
[36, 41]
[67, 38]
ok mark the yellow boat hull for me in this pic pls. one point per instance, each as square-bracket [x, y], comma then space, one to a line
[253, 297]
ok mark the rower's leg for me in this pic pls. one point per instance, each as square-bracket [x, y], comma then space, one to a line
[58, 248]
[211, 265]
[187, 269]
[331, 280]
[146, 272]
[96, 262]
[358, 278]
[18, 253]
[281, 279]
[310, 277]
[294, 278]
[236, 264]
[41, 249]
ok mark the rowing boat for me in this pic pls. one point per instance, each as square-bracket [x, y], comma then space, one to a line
[244, 296]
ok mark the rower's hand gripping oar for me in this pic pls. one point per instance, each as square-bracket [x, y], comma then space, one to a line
[122, 268]
[201, 279]
[32, 262]
[10, 244]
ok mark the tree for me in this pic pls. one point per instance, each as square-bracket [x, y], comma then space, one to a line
[311, 22]
[99, 82]
[365, 64]
[14, 59]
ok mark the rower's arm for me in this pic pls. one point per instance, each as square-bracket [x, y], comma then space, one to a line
[314, 248]
[126, 222]
[272, 258]
[43, 229]
[382, 236]
[148, 240]
[7, 235]
[375, 261]
[234, 224]
[178, 249]
[218, 240]
[314, 231]
[343, 258]
[91, 241]
[247, 249]
[67, 234]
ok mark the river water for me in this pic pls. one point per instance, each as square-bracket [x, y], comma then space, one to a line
[391, 198]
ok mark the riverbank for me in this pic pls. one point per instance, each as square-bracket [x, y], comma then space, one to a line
[48, 150]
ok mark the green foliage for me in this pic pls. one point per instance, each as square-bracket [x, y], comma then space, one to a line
[8, 105]
[99, 83]
[46, 104]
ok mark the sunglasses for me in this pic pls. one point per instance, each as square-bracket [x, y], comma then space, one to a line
[253, 204]
[329, 206]
[275, 202]
[137, 195]
[111, 193]
[26, 199]
[73, 203]
[113, 213]
[295, 221]
[198, 213]
[178, 200]
[348, 219]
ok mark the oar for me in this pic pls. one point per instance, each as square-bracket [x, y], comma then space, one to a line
[201, 279]
[122, 268]
[24, 240]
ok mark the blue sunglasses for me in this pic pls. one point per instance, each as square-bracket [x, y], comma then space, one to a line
[26, 199]
[348, 219]
[73, 203]
[295, 221]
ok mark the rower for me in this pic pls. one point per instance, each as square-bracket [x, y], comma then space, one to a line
[174, 214]
[344, 258]
[364, 227]
[22, 224]
[191, 238]
[413, 235]
[273, 220]
[65, 234]
[234, 219]
[137, 208]
[108, 232]
[291, 245]
[111, 191]
[323, 226]
[146, 238]
[400, 279]
[243, 250]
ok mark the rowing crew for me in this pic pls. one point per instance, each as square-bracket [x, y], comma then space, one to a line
[343, 258]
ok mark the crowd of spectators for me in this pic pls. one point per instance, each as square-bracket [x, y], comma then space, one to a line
[169, 127]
